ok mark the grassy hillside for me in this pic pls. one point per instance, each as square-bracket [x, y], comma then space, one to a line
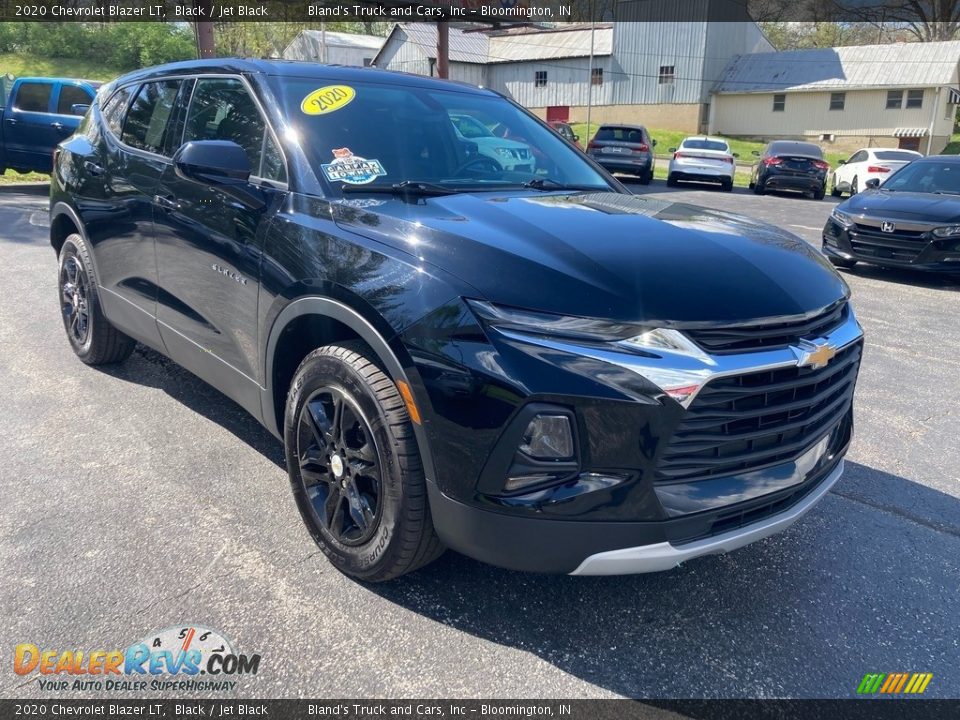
[24, 64]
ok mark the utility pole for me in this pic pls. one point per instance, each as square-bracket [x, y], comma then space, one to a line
[323, 42]
[593, 29]
[443, 50]
[204, 30]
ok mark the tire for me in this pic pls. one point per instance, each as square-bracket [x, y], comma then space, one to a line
[833, 190]
[759, 189]
[94, 340]
[819, 194]
[646, 177]
[379, 526]
[727, 186]
[671, 180]
[854, 189]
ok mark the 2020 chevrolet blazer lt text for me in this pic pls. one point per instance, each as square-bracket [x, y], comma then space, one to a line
[531, 366]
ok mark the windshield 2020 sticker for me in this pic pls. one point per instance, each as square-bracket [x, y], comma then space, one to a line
[352, 169]
[328, 99]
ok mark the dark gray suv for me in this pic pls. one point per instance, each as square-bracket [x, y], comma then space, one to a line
[626, 149]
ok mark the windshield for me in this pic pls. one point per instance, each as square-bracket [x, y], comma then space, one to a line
[926, 177]
[705, 145]
[375, 135]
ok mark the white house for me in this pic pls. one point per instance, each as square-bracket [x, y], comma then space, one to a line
[335, 48]
[900, 95]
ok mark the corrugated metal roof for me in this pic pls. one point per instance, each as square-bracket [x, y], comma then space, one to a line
[551, 44]
[478, 46]
[469, 47]
[861, 66]
[339, 39]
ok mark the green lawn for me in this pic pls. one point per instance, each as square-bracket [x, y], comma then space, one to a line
[953, 147]
[22, 64]
[667, 139]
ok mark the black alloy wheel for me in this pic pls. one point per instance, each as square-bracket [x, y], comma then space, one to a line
[74, 300]
[339, 466]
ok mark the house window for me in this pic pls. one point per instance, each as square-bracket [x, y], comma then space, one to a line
[837, 100]
[596, 76]
[779, 103]
[894, 99]
[915, 98]
[666, 75]
[540, 78]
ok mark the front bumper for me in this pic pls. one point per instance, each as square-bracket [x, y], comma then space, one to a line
[919, 250]
[611, 548]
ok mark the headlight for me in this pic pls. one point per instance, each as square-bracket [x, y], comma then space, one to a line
[664, 356]
[947, 231]
[842, 218]
[503, 152]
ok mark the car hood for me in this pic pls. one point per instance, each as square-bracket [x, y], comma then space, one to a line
[605, 255]
[922, 207]
[499, 142]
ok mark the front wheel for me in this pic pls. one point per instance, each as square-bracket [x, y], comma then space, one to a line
[94, 340]
[355, 468]
[672, 180]
[854, 187]
[727, 185]
[835, 191]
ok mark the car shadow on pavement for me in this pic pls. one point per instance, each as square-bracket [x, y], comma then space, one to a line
[906, 276]
[856, 584]
[661, 188]
[150, 368]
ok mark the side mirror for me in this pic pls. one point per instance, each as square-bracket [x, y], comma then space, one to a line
[671, 149]
[735, 154]
[212, 162]
[842, 162]
[79, 109]
[755, 153]
[653, 142]
[872, 183]
[576, 138]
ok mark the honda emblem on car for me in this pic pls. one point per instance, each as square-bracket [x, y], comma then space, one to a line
[887, 226]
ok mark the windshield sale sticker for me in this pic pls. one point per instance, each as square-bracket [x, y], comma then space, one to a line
[352, 169]
[328, 99]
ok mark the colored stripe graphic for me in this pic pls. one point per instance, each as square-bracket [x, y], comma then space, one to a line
[894, 683]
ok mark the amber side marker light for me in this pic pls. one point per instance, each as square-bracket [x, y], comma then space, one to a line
[408, 401]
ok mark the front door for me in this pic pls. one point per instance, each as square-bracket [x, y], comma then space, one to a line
[209, 246]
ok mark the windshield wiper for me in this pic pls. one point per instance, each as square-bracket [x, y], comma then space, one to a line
[406, 187]
[551, 184]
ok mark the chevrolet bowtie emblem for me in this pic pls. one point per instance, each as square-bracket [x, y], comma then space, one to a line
[815, 354]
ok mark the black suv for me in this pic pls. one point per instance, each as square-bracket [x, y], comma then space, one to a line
[535, 368]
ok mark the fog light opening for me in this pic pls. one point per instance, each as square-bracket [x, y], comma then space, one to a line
[548, 437]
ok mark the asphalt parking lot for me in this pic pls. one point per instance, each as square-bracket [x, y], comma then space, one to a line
[136, 498]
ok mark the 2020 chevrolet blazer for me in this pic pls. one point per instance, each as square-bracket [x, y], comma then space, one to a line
[531, 366]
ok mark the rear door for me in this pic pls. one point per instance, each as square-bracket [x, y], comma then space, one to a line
[209, 244]
[30, 132]
[123, 237]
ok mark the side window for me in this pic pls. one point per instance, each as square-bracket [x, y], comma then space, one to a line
[33, 97]
[113, 111]
[71, 95]
[222, 109]
[148, 114]
[858, 157]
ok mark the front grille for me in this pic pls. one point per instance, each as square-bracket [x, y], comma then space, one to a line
[747, 422]
[902, 245]
[769, 336]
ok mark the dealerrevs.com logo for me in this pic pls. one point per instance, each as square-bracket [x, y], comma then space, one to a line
[183, 658]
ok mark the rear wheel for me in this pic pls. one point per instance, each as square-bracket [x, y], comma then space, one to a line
[355, 468]
[646, 177]
[94, 340]
[671, 180]
[727, 185]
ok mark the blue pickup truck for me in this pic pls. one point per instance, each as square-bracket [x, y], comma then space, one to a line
[40, 112]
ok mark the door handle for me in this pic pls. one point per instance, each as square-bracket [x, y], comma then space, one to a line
[57, 125]
[93, 168]
[11, 121]
[167, 202]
